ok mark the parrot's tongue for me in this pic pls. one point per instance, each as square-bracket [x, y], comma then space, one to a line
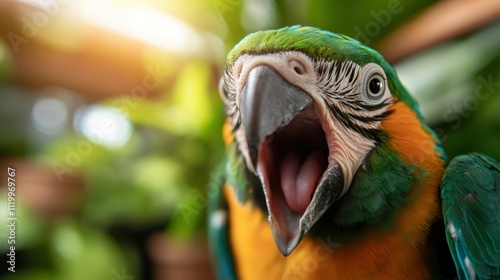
[292, 162]
[299, 178]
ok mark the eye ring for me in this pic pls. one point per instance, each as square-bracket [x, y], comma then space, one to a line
[374, 84]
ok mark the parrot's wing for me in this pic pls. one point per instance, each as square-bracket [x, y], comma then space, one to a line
[218, 229]
[470, 194]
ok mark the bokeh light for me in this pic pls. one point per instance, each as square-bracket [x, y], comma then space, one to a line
[50, 115]
[103, 126]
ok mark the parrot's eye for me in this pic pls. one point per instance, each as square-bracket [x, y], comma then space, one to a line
[374, 83]
[375, 87]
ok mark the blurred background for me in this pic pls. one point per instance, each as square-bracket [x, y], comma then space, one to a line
[111, 119]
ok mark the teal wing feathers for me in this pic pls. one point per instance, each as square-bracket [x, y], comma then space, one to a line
[471, 209]
[218, 227]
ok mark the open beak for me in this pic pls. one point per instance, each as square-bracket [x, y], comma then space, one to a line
[289, 151]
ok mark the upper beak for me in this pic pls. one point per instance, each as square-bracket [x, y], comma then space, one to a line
[286, 143]
[268, 102]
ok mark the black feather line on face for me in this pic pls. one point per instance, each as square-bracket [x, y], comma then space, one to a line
[372, 107]
[349, 104]
[347, 120]
[370, 119]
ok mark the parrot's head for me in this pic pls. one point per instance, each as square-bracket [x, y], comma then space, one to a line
[306, 108]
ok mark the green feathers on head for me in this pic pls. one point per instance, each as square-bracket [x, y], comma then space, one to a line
[311, 41]
[318, 44]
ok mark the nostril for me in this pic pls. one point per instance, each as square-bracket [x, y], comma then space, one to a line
[298, 70]
[297, 67]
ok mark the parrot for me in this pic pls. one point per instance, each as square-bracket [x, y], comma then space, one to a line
[332, 173]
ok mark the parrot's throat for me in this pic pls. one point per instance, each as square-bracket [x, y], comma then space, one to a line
[293, 160]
